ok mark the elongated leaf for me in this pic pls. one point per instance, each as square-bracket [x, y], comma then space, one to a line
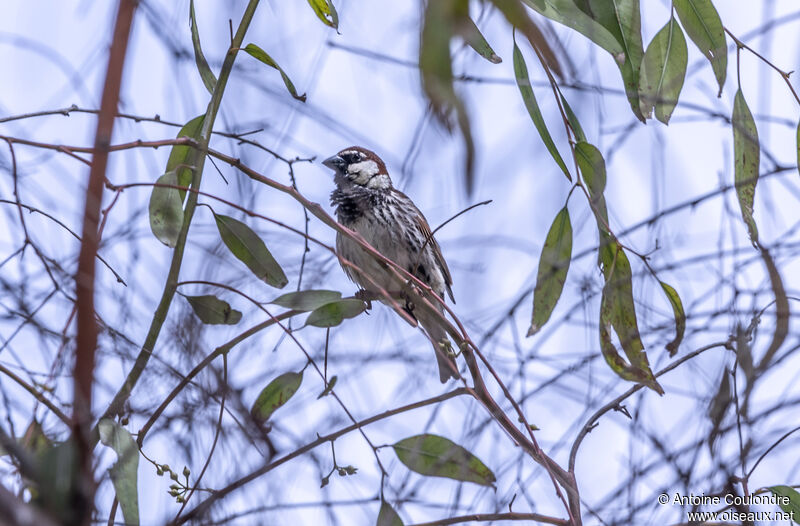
[182, 159]
[124, 472]
[525, 89]
[250, 250]
[798, 146]
[213, 310]
[553, 267]
[782, 312]
[703, 25]
[593, 168]
[518, 17]
[574, 123]
[58, 467]
[261, 55]
[473, 36]
[746, 153]
[326, 12]
[436, 456]
[306, 300]
[663, 71]
[166, 210]
[792, 507]
[34, 440]
[332, 314]
[275, 394]
[388, 517]
[209, 80]
[680, 317]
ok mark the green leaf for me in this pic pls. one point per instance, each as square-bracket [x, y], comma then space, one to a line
[518, 17]
[614, 25]
[680, 317]
[166, 210]
[58, 467]
[182, 158]
[328, 387]
[617, 312]
[213, 311]
[525, 89]
[259, 54]
[703, 25]
[472, 36]
[124, 472]
[275, 395]
[34, 440]
[209, 80]
[250, 250]
[332, 314]
[326, 12]
[792, 507]
[388, 517]
[663, 71]
[437, 456]
[592, 167]
[746, 153]
[798, 146]
[574, 123]
[553, 267]
[306, 300]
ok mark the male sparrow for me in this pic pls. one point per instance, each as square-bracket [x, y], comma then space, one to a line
[367, 203]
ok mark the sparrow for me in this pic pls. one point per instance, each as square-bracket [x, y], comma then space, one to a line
[387, 219]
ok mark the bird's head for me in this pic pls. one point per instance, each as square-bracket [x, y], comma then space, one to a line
[360, 167]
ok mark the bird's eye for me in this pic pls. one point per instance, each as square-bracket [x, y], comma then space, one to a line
[357, 157]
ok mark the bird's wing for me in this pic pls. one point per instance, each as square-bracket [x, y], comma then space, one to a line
[425, 229]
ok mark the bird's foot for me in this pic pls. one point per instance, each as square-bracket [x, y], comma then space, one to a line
[365, 296]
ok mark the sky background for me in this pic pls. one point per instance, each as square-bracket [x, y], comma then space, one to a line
[54, 56]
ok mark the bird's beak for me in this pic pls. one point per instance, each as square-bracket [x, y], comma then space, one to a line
[335, 163]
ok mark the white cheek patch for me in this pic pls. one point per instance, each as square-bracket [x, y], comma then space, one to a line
[361, 172]
[379, 182]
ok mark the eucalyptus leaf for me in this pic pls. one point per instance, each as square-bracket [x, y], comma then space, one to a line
[473, 36]
[793, 506]
[553, 266]
[275, 395]
[182, 158]
[307, 300]
[332, 314]
[326, 12]
[166, 210]
[124, 472]
[746, 152]
[663, 71]
[678, 313]
[214, 311]
[209, 80]
[436, 456]
[250, 250]
[388, 517]
[703, 25]
[261, 55]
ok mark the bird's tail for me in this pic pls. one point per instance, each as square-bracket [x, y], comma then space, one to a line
[441, 347]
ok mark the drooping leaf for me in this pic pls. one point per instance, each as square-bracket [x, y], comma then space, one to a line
[250, 250]
[663, 71]
[436, 456]
[472, 35]
[574, 123]
[719, 405]
[275, 394]
[703, 25]
[528, 97]
[332, 314]
[593, 169]
[793, 506]
[34, 440]
[614, 25]
[214, 311]
[57, 472]
[553, 267]
[183, 158]
[388, 517]
[306, 300]
[124, 471]
[678, 313]
[326, 12]
[166, 210]
[209, 80]
[261, 55]
[782, 312]
[798, 146]
[328, 387]
[746, 152]
[519, 18]
[439, 25]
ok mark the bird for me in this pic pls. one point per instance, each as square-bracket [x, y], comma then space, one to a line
[366, 202]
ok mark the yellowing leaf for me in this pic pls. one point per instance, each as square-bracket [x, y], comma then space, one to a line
[679, 314]
[553, 267]
[663, 71]
[703, 25]
[275, 394]
[166, 210]
[326, 12]
[261, 55]
[746, 152]
[472, 35]
[250, 250]
[437, 456]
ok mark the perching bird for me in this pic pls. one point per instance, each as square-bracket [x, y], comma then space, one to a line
[367, 203]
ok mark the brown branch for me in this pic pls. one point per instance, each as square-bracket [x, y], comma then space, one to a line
[489, 517]
[86, 340]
